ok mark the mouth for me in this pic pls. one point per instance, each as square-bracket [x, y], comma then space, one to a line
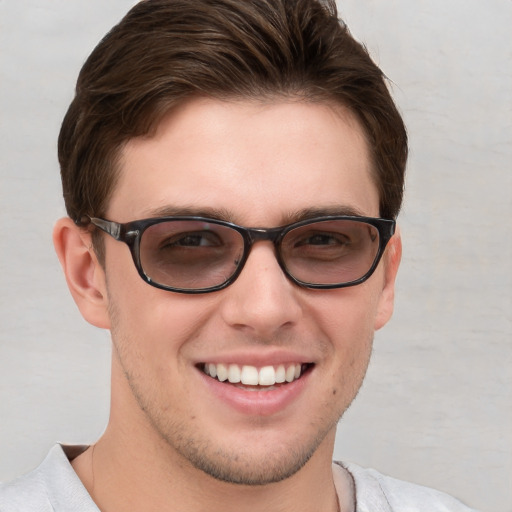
[253, 378]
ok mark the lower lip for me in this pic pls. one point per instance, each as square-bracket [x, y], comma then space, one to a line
[254, 402]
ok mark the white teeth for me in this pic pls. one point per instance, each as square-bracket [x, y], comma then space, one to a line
[280, 374]
[234, 373]
[267, 376]
[251, 376]
[290, 373]
[222, 372]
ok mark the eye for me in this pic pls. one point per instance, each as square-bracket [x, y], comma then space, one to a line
[320, 239]
[193, 239]
[319, 244]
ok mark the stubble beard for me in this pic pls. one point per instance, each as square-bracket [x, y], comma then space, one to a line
[222, 463]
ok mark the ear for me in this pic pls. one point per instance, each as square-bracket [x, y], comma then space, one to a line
[391, 262]
[84, 274]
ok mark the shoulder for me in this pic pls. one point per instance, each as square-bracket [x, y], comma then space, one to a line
[378, 492]
[51, 487]
[26, 493]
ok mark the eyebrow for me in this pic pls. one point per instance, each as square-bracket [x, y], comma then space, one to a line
[228, 216]
[190, 211]
[328, 211]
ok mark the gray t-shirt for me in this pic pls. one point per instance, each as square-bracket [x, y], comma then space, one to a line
[55, 487]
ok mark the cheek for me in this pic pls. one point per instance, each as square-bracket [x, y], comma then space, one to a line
[153, 322]
[347, 318]
[348, 313]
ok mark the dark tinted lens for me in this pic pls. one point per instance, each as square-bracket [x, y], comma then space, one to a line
[330, 252]
[190, 254]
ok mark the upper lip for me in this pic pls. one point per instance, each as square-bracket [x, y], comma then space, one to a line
[257, 358]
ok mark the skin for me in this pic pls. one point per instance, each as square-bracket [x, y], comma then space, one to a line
[171, 442]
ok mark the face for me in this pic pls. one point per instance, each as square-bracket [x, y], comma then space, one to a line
[258, 165]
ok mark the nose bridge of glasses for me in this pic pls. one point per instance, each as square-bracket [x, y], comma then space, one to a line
[264, 235]
[272, 235]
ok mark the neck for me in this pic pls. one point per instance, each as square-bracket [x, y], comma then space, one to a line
[121, 476]
[133, 468]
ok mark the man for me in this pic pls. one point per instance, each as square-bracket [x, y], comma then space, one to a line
[232, 173]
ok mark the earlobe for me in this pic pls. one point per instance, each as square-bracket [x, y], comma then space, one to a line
[84, 274]
[391, 262]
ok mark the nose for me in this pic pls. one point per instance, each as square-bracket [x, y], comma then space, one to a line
[262, 301]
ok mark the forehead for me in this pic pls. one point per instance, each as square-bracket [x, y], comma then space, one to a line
[256, 162]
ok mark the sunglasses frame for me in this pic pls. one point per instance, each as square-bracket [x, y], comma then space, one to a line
[131, 233]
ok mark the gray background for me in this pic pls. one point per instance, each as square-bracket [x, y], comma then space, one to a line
[437, 404]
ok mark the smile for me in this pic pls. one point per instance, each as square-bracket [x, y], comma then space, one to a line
[253, 376]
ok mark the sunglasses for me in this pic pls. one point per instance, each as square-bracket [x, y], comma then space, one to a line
[189, 254]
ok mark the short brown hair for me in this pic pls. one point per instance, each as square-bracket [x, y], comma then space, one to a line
[166, 51]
